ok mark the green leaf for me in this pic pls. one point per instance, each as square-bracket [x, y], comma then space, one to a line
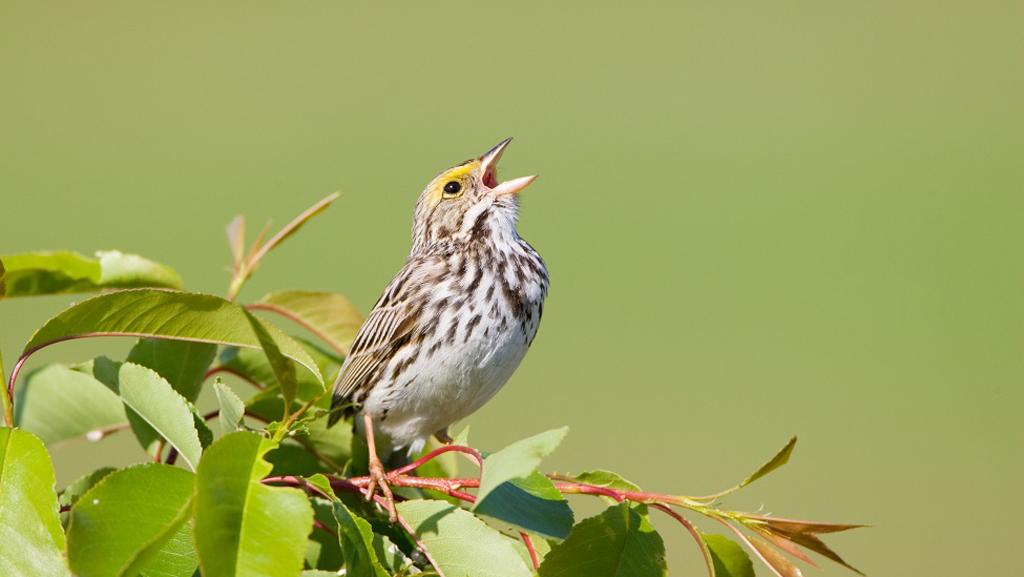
[729, 558]
[232, 409]
[120, 525]
[780, 459]
[70, 495]
[389, 555]
[460, 543]
[323, 550]
[41, 273]
[164, 314]
[176, 558]
[243, 527]
[620, 542]
[291, 458]
[330, 316]
[356, 540]
[58, 403]
[606, 479]
[120, 270]
[30, 531]
[203, 430]
[322, 483]
[62, 272]
[318, 573]
[518, 460]
[157, 410]
[284, 370]
[182, 363]
[531, 504]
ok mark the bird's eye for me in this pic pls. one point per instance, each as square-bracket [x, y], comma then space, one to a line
[452, 187]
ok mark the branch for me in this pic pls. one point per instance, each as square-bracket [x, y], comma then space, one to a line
[784, 534]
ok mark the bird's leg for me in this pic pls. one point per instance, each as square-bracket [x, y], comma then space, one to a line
[444, 437]
[378, 477]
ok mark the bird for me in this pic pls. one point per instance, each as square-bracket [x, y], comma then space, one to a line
[453, 324]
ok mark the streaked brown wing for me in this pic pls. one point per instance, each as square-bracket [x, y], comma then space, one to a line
[391, 320]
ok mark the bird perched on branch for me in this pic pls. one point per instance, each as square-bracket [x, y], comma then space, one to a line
[454, 323]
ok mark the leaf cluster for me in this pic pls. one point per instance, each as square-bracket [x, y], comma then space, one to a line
[268, 489]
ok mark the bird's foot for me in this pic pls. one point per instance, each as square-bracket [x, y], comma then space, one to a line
[444, 437]
[379, 479]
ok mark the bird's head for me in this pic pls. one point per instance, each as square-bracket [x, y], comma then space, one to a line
[468, 200]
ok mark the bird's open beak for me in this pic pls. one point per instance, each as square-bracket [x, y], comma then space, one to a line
[489, 164]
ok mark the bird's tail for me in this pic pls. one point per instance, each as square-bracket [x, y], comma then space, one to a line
[342, 407]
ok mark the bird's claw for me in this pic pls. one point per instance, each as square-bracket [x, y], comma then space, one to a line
[444, 437]
[379, 479]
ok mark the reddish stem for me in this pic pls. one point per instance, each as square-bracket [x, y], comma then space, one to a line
[564, 487]
[584, 489]
[530, 549]
[464, 496]
[323, 527]
[9, 401]
[693, 533]
[473, 453]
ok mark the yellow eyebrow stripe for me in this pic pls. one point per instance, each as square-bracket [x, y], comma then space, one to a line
[459, 171]
[456, 173]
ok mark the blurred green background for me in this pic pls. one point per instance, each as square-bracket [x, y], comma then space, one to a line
[761, 219]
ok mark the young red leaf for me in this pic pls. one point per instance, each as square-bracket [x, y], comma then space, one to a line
[236, 240]
[785, 545]
[774, 559]
[796, 526]
[818, 546]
